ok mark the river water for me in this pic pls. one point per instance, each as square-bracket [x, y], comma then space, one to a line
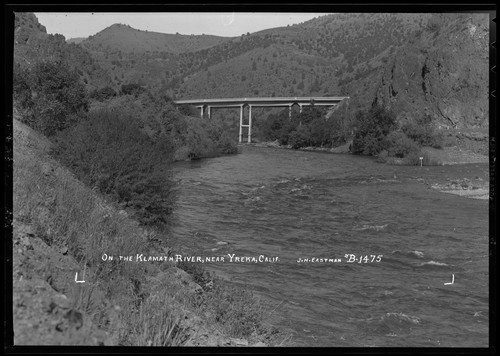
[302, 205]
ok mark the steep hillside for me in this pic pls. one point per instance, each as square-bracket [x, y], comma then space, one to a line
[313, 58]
[32, 44]
[443, 72]
[435, 64]
[298, 59]
[147, 58]
[61, 227]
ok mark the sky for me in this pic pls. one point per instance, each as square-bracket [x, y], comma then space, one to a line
[72, 25]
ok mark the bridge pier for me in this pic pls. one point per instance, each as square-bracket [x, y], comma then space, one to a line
[241, 123]
[249, 123]
[202, 111]
[242, 108]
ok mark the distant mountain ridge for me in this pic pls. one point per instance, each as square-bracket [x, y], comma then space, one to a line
[127, 39]
[416, 64]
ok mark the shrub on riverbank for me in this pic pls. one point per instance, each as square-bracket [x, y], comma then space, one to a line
[234, 308]
[50, 96]
[371, 130]
[309, 128]
[108, 151]
[64, 213]
[422, 132]
[120, 297]
[190, 136]
[377, 134]
[194, 138]
[125, 154]
[278, 127]
[399, 145]
[427, 159]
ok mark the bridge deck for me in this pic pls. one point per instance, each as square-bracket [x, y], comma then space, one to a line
[242, 103]
[332, 100]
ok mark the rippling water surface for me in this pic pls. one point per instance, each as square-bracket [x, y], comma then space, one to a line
[294, 204]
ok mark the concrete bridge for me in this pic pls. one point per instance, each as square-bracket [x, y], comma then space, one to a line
[209, 104]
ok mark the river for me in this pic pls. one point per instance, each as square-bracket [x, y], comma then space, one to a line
[303, 205]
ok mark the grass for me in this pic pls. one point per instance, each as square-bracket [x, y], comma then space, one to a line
[235, 309]
[65, 213]
[412, 159]
[121, 298]
[427, 159]
[154, 324]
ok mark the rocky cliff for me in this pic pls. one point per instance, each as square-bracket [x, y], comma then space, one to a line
[441, 72]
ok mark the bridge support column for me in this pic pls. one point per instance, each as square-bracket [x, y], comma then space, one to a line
[300, 108]
[201, 111]
[208, 107]
[289, 112]
[241, 122]
[249, 123]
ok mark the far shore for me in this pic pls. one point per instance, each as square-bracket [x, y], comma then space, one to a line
[476, 189]
[446, 156]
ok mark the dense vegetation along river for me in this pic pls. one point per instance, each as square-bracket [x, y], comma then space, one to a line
[298, 205]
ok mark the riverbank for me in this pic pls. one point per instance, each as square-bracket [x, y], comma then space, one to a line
[469, 149]
[276, 144]
[65, 293]
[473, 188]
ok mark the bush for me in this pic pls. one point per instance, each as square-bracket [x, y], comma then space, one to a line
[102, 93]
[372, 127]
[227, 145]
[300, 137]
[319, 132]
[413, 159]
[108, 151]
[399, 145]
[382, 156]
[234, 308]
[132, 89]
[302, 129]
[422, 132]
[194, 138]
[51, 96]
[278, 127]
[188, 110]
[310, 114]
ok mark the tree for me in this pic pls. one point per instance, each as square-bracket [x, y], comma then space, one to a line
[300, 137]
[103, 93]
[51, 95]
[132, 89]
[422, 132]
[278, 127]
[371, 129]
[309, 114]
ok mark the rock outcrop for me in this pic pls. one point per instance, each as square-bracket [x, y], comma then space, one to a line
[442, 72]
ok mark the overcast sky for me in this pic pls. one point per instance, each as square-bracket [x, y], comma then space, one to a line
[72, 25]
